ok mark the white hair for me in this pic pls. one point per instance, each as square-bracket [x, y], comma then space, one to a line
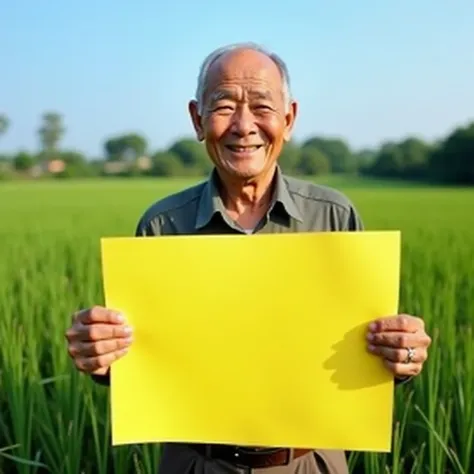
[216, 54]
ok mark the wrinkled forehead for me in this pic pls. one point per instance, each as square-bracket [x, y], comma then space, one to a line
[253, 72]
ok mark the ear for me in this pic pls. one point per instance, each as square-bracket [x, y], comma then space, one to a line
[196, 119]
[290, 119]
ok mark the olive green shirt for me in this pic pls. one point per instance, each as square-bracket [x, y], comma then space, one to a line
[297, 206]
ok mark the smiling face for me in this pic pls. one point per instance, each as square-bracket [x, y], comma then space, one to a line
[245, 120]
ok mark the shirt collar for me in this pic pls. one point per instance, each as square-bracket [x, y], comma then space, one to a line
[210, 202]
[283, 196]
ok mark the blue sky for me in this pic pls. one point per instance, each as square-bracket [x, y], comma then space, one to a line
[365, 70]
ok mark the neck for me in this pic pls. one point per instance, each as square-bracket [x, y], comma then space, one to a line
[247, 201]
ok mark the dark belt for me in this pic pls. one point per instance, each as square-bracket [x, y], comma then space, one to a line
[248, 457]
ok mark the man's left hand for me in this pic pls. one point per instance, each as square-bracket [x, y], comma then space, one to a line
[402, 343]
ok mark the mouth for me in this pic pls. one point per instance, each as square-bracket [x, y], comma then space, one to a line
[243, 149]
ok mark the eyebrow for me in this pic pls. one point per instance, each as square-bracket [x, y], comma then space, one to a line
[221, 94]
[228, 94]
[265, 95]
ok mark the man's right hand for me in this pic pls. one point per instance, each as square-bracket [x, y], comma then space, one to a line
[97, 338]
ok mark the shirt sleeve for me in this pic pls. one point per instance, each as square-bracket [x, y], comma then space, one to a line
[353, 221]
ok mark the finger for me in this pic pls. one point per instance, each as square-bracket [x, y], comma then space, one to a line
[91, 349]
[97, 332]
[100, 332]
[99, 314]
[403, 370]
[402, 322]
[399, 339]
[398, 355]
[91, 364]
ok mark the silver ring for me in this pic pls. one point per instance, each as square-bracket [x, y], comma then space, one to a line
[410, 355]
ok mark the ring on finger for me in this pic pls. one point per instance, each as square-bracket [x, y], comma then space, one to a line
[410, 355]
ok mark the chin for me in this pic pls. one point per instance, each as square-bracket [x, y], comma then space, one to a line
[246, 170]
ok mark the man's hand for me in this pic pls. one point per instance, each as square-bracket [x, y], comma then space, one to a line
[402, 343]
[97, 338]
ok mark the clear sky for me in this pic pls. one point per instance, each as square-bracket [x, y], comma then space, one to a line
[365, 70]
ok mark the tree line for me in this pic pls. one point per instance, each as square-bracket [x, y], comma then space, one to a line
[447, 161]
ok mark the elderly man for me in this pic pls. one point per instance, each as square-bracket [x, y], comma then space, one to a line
[244, 113]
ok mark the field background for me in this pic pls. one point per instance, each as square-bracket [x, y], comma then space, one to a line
[53, 419]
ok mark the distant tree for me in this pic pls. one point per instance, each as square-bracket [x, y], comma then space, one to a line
[166, 163]
[365, 158]
[76, 165]
[128, 147]
[96, 166]
[23, 161]
[50, 133]
[289, 158]
[4, 124]
[407, 159]
[313, 162]
[337, 152]
[416, 155]
[389, 161]
[193, 156]
[452, 161]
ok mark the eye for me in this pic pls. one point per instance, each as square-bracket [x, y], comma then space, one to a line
[223, 108]
[263, 107]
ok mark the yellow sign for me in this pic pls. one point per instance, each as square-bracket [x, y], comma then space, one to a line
[253, 340]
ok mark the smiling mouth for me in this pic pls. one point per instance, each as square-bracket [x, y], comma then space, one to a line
[243, 149]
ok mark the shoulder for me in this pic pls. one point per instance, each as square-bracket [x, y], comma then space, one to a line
[309, 191]
[311, 195]
[151, 217]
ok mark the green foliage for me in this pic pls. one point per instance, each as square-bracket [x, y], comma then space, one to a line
[453, 160]
[23, 161]
[449, 161]
[125, 147]
[50, 133]
[313, 162]
[193, 156]
[4, 124]
[167, 163]
[336, 150]
[290, 157]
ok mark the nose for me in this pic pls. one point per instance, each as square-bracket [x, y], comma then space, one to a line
[243, 122]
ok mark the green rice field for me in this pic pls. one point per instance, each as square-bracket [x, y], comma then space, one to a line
[53, 419]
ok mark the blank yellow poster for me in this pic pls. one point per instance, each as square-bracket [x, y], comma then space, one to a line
[253, 340]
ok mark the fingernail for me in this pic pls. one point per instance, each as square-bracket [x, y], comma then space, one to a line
[372, 326]
[127, 330]
[120, 318]
[371, 348]
[128, 340]
[370, 336]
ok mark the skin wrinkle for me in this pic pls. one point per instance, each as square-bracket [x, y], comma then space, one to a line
[232, 95]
